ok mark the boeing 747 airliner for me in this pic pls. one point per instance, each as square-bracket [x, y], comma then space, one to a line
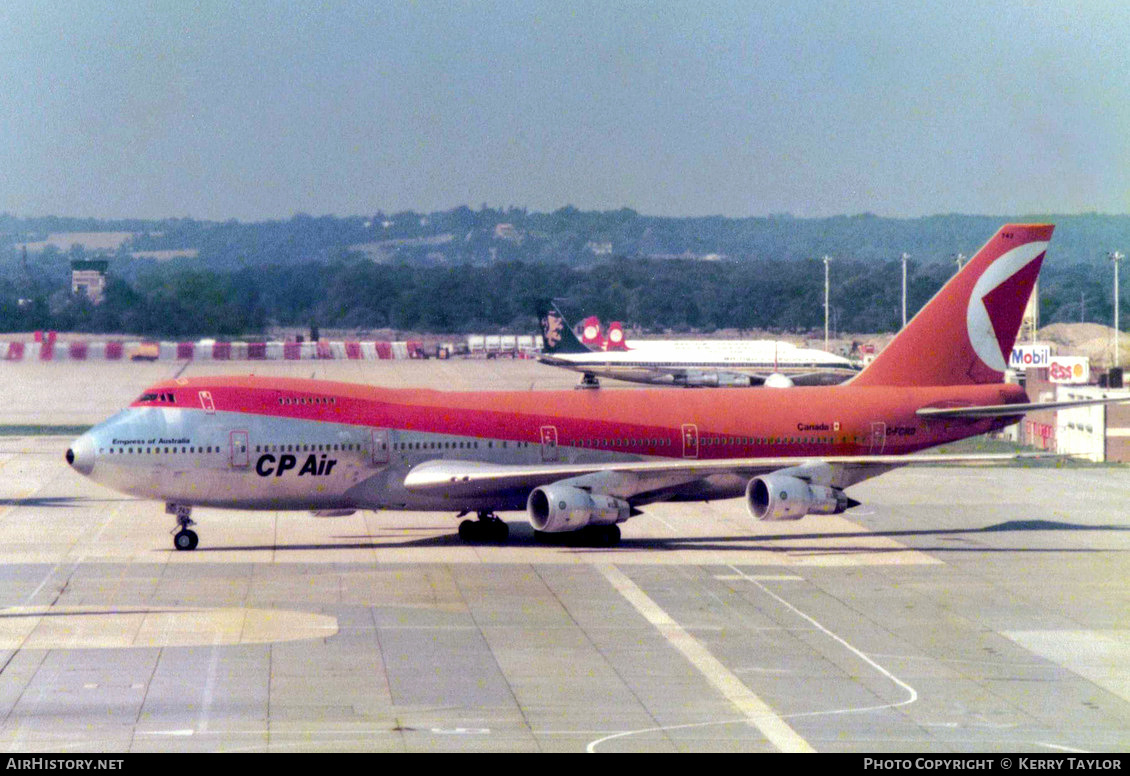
[579, 460]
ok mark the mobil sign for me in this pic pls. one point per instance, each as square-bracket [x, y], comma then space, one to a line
[1030, 357]
[1072, 370]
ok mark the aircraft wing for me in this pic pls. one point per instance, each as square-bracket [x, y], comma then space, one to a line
[659, 375]
[456, 479]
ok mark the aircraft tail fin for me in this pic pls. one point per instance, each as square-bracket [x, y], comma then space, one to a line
[558, 337]
[965, 334]
[591, 336]
[616, 337]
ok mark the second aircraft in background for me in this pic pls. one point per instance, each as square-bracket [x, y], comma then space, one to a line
[689, 363]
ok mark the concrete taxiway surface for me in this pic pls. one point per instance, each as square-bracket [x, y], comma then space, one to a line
[956, 610]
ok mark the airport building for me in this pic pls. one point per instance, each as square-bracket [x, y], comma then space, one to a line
[88, 278]
[1097, 433]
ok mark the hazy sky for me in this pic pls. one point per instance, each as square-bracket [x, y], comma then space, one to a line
[255, 110]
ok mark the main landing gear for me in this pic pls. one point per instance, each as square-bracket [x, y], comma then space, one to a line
[588, 381]
[184, 538]
[488, 529]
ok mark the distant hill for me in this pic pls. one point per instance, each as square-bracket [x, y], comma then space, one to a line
[568, 235]
[480, 270]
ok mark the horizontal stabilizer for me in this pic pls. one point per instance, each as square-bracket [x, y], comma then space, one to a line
[1006, 410]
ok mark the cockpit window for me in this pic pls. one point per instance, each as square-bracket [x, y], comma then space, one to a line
[165, 397]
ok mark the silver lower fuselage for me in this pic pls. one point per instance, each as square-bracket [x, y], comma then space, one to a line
[245, 461]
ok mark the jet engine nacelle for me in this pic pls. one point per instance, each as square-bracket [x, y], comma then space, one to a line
[781, 497]
[778, 380]
[557, 508]
[701, 379]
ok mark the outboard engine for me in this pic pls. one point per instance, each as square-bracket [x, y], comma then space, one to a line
[781, 497]
[557, 508]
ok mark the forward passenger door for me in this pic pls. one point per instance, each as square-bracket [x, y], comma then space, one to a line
[240, 450]
[548, 443]
[380, 448]
[690, 440]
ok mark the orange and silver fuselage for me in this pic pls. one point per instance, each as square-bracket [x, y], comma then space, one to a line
[259, 443]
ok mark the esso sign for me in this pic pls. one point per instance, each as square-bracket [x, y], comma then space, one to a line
[1073, 370]
[1029, 357]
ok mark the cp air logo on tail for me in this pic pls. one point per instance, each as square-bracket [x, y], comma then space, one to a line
[964, 334]
[993, 318]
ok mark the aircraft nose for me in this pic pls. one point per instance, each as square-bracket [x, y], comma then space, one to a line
[80, 455]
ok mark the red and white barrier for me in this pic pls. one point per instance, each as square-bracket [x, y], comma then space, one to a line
[117, 350]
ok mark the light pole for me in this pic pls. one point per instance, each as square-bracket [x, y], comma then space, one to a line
[905, 256]
[1116, 257]
[960, 259]
[826, 260]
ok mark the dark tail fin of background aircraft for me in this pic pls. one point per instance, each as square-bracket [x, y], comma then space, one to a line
[964, 335]
[556, 333]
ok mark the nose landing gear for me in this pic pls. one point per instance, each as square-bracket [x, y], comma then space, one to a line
[184, 538]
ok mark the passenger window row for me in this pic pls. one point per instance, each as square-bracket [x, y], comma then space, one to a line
[307, 400]
[472, 445]
[160, 450]
[623, 442]
[437, 445]
[209, 449]
[324, 448]
[719, 441]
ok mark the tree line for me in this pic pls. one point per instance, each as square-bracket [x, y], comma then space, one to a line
[457, 271]
[649, 295]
